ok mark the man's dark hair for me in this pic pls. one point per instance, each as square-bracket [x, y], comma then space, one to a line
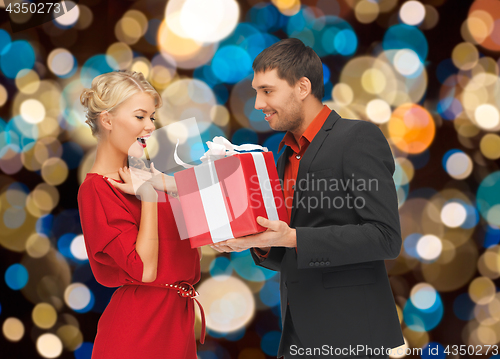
[293, 60]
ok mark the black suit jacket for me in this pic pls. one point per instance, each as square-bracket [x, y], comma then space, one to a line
[336, 282]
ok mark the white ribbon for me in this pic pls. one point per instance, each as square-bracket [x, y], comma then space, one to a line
[211, 193]
[218, 148]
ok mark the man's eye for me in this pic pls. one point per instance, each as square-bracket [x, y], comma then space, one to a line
[267, 92]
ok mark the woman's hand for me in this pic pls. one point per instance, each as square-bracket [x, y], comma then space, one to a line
[159, 180]
[134, 185]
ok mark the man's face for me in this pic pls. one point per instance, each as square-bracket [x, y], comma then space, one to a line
[278, 100]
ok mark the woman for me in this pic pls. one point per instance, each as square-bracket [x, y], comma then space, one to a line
[127, 246]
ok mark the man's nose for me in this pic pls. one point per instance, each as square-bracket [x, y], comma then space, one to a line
[259, 103]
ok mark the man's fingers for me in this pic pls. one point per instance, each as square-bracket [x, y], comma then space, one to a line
[264, 222]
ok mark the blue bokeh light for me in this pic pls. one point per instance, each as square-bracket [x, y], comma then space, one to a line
[16, 276]
[16, 56]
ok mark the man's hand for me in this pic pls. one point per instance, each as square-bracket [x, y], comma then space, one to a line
[278, 234]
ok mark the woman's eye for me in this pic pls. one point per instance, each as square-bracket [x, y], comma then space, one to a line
[152, 119]
[139, 117]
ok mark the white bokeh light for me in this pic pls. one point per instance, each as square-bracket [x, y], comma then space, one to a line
[78, 249]
[49, 345]
[407, 62]
[77, 296]
[228, 301]
[429, 247]
[423, 296]
[453, 214]
[487, 116]
[201, 20]
[412, 12]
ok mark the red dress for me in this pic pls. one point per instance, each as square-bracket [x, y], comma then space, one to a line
[139, 321]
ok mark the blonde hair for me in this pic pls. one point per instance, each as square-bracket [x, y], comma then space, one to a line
[111, 89]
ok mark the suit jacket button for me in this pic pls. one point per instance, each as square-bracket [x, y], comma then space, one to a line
[322, 263]
[311, 264]
[327, 263]
[316, 264]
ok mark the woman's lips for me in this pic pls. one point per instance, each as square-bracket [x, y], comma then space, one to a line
[142, 142]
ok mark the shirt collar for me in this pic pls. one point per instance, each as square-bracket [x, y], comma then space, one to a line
[310, 131]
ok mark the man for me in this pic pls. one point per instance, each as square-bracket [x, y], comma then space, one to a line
[336, 300]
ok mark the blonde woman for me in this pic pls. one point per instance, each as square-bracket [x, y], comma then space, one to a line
[151, 314]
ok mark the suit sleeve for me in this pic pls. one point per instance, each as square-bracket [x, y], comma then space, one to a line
[272, 260]
[366, 156]
[110, 232]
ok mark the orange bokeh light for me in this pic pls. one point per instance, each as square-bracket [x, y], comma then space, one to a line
[411, 128]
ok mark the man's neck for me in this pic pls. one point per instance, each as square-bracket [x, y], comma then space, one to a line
[310, 112]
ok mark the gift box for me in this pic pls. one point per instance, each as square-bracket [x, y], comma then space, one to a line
[222, 197]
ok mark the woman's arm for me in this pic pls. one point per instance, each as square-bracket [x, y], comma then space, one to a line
[147, 238]
[146, 244]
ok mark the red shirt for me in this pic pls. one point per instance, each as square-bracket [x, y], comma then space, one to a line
[298, 151]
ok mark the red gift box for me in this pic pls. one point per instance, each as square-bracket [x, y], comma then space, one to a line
[221, 199]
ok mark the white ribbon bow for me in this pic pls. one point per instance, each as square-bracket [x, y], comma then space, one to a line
[218, 148]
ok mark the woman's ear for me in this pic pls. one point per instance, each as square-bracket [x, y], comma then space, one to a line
[304, 87]
[105, 118]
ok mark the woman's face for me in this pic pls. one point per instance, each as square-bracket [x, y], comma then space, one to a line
[132, 120]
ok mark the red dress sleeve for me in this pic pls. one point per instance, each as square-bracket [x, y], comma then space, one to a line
[110, 233]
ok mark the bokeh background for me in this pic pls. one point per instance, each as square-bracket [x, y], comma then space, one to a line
[426, 72]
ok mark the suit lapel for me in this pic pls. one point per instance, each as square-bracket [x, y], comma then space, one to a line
[309, 156]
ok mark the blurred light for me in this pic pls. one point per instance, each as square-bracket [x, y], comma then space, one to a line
[429, 247]
[44, 315]
[229, 304]
[242, 264]
[407, 62]
[342, 94]
[244, 135]
[490, 146]
[378, 111]
[95, 66]
[78, 297]
[423, 320]
[487, 116]
[403, 36]
[27, 81]
[457, 163]
[220, 266]
[54, 171]
[482, 290]
[184, 99]
[32, 111]
[411, 128]
[70, 17]
[423, 296]
[453, 214]
[465, 56]
[49, 345]
[13, 329]
[208, 22]
[78, 249]
[71, 336]
[16, 56]
[231, 64]
[183, 52]
[488, 198]
[412, 12]
[366, 11]
[16, 276]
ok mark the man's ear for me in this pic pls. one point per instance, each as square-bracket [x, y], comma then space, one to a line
[105, 119]
[304, 87]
